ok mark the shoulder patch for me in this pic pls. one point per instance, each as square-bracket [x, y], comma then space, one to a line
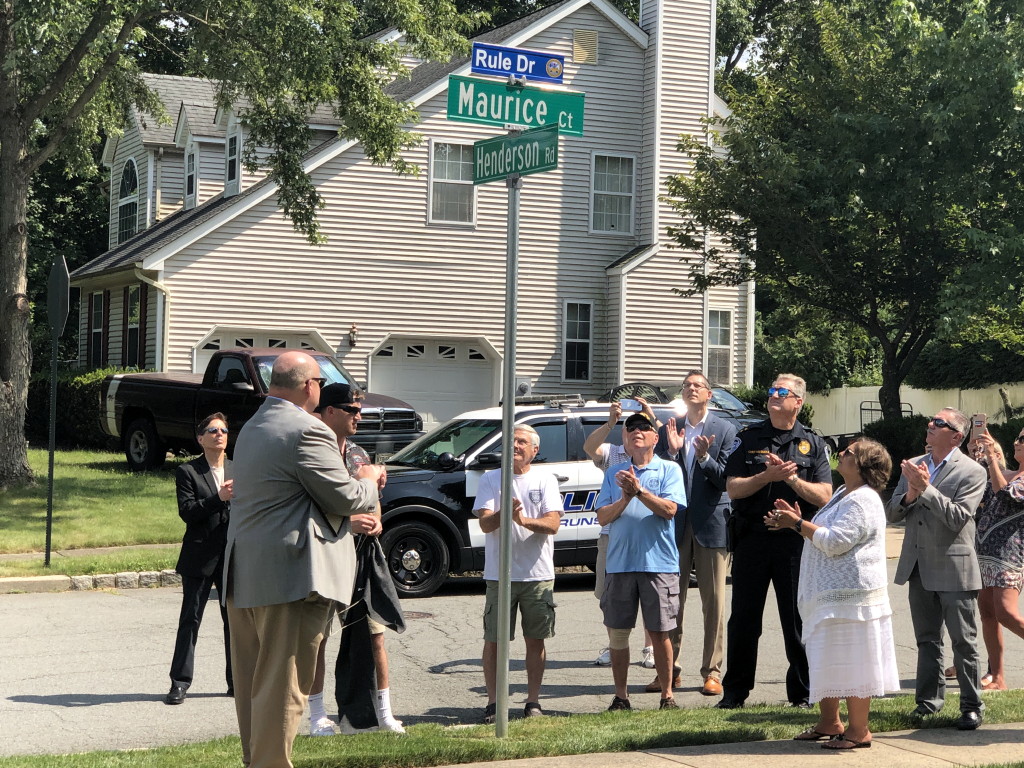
[735, 444]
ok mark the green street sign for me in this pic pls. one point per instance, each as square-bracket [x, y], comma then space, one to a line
[531, 151]
[494, 102]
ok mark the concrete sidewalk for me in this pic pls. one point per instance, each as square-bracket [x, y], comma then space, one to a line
[989, 745]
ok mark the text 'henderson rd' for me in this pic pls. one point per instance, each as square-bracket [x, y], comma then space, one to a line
[472, 100]
[533, 151]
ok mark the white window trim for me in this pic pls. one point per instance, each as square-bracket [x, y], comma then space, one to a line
[97, 300]
[233, 187]
[132, 198]
[708, 346]
[566, 340]
[632, 195]
[136, 325]
[471, 224]
[191, 200]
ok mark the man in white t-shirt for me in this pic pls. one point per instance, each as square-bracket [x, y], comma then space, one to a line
[536, 515]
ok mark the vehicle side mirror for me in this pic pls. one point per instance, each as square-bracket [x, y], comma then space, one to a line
[486, 460]
[447, 461]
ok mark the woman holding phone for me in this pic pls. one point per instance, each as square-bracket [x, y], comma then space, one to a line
[1000, 545]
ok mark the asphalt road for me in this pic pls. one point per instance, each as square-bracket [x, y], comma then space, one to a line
[88, 670]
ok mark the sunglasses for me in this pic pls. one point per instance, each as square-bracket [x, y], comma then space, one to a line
[640, 428]
[782, 392]
[215, 430]
[937, 422]
[352, 410]
[321, 382]
[1019, 440]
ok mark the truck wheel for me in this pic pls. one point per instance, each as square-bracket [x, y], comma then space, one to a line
[417, 558]
[142, 446]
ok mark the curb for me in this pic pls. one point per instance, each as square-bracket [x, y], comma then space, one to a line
[124, 580]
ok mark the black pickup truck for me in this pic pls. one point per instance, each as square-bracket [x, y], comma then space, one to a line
[152, 413]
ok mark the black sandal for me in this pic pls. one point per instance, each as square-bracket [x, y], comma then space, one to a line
[813, 734]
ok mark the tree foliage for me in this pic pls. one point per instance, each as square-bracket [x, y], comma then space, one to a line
[71, 72]
[872, 171]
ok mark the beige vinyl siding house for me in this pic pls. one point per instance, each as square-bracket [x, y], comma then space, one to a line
[409, 289]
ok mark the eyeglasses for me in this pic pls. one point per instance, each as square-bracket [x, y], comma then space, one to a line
[640, 428]
[216, 430]
[321, 382]
[937, 422]
[782, 392]
[693, 385]
[352, 410]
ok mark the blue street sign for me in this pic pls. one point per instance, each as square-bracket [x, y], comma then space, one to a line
[501, 61]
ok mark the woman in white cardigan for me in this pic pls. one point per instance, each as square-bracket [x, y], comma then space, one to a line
[843, 597]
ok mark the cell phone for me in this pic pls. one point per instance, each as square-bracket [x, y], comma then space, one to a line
[631, 405]
[979, 425]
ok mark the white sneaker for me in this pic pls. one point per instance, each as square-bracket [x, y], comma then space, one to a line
[350, 730]
[648, 660]
[604, 658]
[392, 725]
[322, 727]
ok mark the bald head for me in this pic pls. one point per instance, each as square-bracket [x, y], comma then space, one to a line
[290, 379]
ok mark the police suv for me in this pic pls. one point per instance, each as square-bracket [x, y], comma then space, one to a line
[429, 526]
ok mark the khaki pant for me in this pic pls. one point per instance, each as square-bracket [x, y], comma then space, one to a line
[712, 566]
[273, 654]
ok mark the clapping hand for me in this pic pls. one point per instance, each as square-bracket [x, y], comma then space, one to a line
[784, 515]
[778, 470]
[227, 490]
[701, 445]
[627, 480]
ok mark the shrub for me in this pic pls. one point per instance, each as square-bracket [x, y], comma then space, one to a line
[903, 438]
[78, 409]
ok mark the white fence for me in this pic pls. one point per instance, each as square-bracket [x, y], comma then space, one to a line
[839, 412]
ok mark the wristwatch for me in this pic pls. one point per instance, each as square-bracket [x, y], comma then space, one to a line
[799, 525]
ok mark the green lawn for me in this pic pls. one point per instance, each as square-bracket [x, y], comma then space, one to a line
[431, 744]
[97, 502]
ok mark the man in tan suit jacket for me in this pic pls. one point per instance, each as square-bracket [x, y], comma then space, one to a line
[289, 555]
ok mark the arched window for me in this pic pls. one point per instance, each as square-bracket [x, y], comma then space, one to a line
[128, 202]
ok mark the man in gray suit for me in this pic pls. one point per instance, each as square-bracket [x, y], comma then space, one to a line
[938, 495]
[289, 555]
[700, 443]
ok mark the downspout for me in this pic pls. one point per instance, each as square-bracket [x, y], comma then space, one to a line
[163, 315]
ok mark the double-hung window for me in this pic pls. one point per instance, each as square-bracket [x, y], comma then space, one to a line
[451, 183]
[577, 340]
[611, 195]
[719, 366]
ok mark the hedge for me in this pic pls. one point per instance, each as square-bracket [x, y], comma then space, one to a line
[78, 410]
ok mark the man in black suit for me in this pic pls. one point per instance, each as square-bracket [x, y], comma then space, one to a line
[700, 442]
[204, 500]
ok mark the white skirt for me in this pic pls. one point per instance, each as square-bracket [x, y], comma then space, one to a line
[852, 658]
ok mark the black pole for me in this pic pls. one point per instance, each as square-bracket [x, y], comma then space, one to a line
[53, 444]
[57, 299]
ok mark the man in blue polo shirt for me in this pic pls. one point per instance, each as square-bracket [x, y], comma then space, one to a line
[639, 499]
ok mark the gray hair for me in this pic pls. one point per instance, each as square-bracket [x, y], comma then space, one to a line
[534, 437]
[957, 418]
[799, 387]
[697, 372]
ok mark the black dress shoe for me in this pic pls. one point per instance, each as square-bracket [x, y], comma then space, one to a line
[921, 711]
[175, 696]
[803, 704]
[728, 703]
[969, 721]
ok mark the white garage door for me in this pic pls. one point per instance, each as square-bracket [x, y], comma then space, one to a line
[440, 378]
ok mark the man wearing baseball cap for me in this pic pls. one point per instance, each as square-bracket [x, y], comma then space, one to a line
[639, 500]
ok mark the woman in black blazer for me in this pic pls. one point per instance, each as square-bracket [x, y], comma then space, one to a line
[204, 500]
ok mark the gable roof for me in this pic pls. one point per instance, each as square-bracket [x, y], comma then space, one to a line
[200, 120]
[424, 82]
[173, 91]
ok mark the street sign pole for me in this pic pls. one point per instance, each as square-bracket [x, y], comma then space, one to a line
[57, 302]
[514, 182]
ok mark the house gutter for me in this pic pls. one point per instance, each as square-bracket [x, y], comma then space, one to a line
[163, 314]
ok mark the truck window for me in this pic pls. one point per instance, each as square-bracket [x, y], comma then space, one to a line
[230, 370]
[329, 369]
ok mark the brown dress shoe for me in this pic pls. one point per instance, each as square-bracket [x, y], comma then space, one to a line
[711, 687]
[654, 686]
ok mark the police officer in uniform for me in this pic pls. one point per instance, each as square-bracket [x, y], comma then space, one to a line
[775, 459]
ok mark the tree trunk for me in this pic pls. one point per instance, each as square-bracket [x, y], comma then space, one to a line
[889, 392]
[15, 314]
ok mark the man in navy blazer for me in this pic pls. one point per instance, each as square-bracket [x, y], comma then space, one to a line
[700, 443]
